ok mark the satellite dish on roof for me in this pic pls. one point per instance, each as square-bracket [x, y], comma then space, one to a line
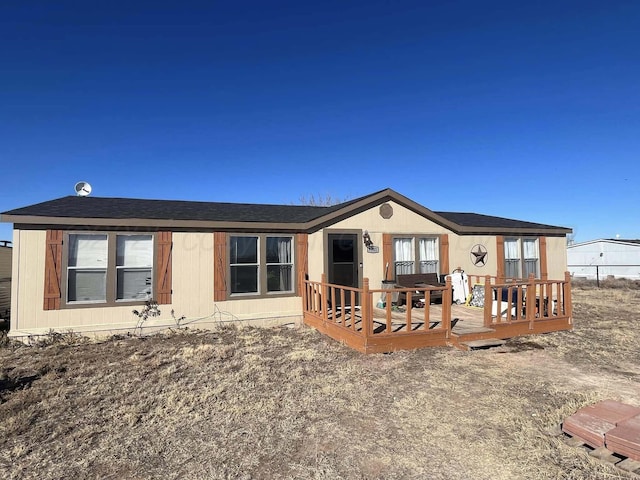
[82, 189]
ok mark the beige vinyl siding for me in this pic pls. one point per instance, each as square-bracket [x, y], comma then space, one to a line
[402, 221]
[556, 257]
[27, 313]
[192, 265]
[460, 253]
[406, 221]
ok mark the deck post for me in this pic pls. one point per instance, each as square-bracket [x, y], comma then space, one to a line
[304, 285]
[447, 300]
[531, 301]
[315, 291]
[568, 307]
[488, 300]
[366, 309]
[324, 298]
[469, 281]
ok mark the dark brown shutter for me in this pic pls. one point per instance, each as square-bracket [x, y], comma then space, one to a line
[544, 269]
[387, 256]
[163, 262]
[500, 258]
[444, 253]
[302, 259]
[53, 270]
[219, 266]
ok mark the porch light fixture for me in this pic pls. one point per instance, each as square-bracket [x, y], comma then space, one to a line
[366, 239]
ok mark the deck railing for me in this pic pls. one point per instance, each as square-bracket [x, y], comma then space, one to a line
[421, 295]
[350, 315]
[527, 300]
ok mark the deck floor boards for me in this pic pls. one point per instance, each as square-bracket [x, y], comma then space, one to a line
[465, 319]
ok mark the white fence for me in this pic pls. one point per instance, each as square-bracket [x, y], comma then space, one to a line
[601, 272]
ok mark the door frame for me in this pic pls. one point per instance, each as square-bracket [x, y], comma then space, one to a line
[357, 246]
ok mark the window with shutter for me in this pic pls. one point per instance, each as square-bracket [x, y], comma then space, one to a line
[258, 265]
[261, 264]
[85, 269]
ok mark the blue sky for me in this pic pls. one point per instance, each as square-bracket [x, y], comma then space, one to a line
[526, 110]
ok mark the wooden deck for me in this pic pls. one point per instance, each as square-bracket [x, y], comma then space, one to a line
[381, 326]
[464, 319]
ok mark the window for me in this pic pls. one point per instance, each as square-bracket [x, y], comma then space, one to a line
[243, 259]
[404, 255]
[87, 271]
[109, 268]
[521, 257]
[407, 249]
[134, 267]
[261, 264]
[512, 258]
[279, 264]
[428, 255]
[530, 256]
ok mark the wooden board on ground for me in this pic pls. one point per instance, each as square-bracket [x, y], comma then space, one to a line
[486, 343]
[574, 441]
[463, 328]
[629, 465]
[603, 453]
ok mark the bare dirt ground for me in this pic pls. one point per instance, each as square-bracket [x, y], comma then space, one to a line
[290, 403]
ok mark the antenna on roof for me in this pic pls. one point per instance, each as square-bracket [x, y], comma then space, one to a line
[82, 189]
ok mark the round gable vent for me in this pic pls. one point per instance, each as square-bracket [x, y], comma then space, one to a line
[386, 211]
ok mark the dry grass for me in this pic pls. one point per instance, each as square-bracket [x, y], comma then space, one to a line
[284, 403]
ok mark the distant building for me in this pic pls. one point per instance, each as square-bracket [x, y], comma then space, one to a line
[604, 258]
[5, 279]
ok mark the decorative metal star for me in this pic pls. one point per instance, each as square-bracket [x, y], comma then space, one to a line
[479, 255]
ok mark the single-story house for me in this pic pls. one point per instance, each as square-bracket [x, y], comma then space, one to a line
[602, 258]
[5, 279]
[85, 263]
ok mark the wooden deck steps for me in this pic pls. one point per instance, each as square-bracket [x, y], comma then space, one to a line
[482, 344]
[611, 428]
[466, 328]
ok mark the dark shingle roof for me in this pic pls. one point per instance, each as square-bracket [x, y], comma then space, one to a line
[131, 208]
[479, 220]
[180, 213]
